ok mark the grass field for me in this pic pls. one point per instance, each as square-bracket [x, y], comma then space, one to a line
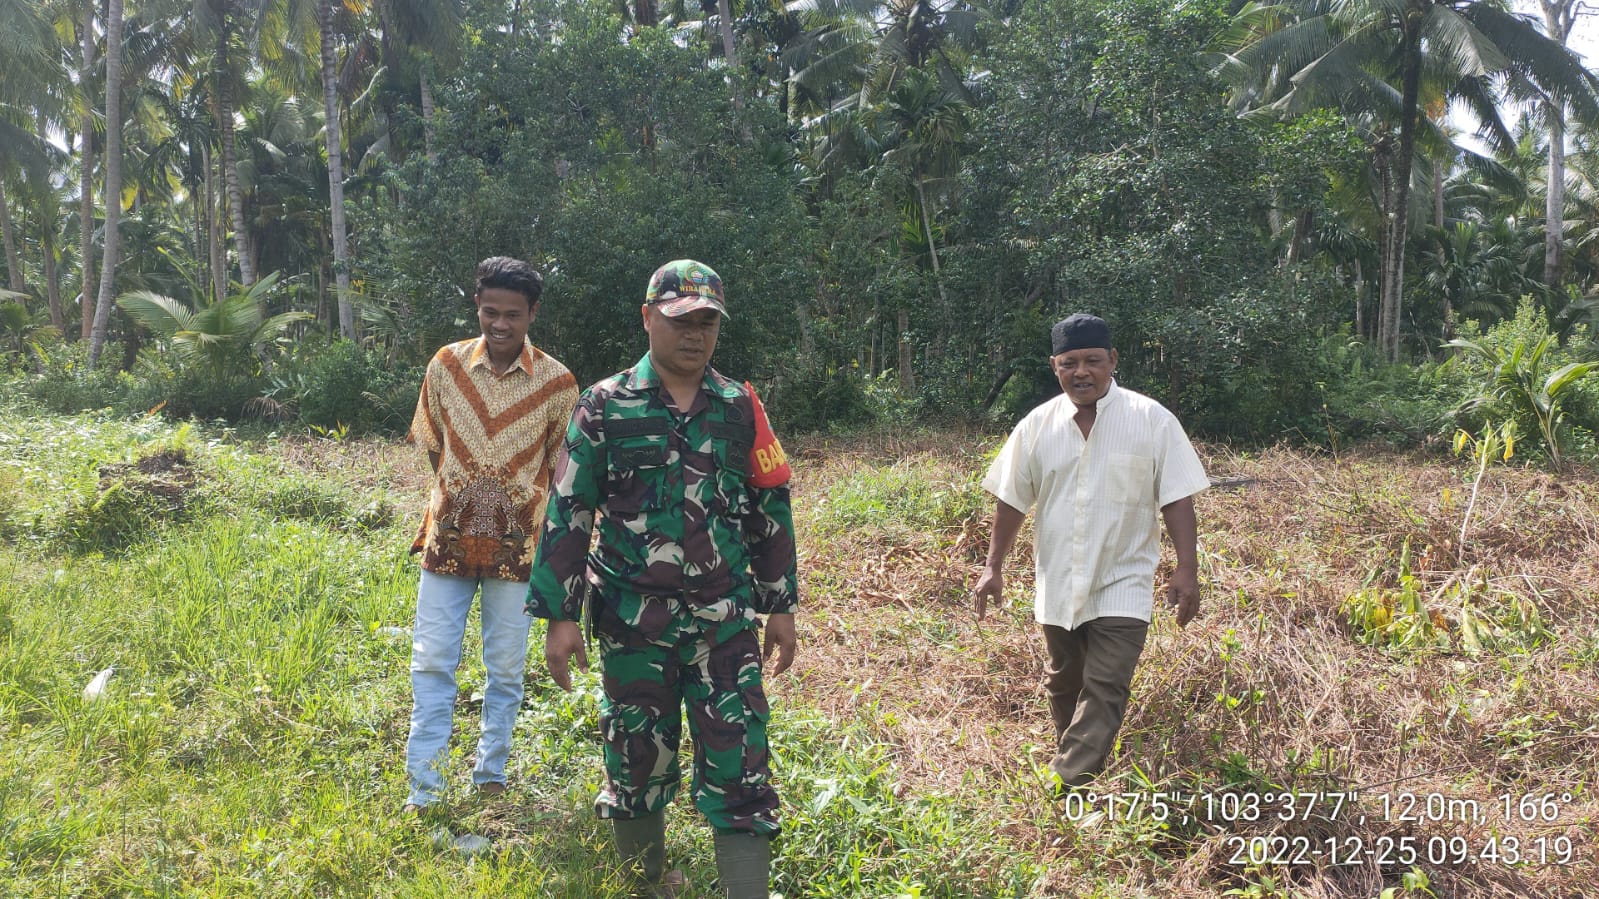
[1437, 703]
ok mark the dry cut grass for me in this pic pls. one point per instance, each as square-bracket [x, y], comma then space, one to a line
[1271, 690]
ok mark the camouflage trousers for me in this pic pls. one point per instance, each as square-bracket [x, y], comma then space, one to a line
[647, 688]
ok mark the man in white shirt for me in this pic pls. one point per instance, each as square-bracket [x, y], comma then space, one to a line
[1097, 462]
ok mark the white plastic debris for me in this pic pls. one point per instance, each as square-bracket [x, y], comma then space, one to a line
[471, 845]
[97, 685]
[394, 632]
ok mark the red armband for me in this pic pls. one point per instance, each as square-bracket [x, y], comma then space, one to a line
[768, 464]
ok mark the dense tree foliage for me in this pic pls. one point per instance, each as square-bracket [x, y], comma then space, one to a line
[901, 196]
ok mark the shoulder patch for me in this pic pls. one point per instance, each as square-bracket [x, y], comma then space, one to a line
[768, 464]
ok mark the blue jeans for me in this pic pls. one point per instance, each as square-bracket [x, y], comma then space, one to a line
[443, 603]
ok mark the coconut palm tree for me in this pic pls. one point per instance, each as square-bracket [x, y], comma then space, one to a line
[83, 24]
[924, 125]
[113, 178]
[47, 205]
[294, 26]
[29, 91]
[1558, 16]
[425, 34]
[229, 28]
[327, 12]
[1384, 58]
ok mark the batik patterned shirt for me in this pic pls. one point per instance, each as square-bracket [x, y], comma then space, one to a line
[684, 532]
[496, 435]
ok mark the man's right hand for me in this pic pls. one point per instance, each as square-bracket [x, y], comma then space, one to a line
[990, 587]
[562, 641]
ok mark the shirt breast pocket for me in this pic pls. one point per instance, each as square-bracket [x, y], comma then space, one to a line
[1131, 480]
[730, 447]
[636, 477]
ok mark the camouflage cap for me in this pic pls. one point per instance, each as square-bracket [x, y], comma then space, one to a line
[682, 286]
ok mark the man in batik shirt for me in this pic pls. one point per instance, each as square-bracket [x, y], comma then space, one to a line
[677, 467]
[490, 418]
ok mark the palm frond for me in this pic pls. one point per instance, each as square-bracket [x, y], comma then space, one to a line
[235, 318]
[160, 314]
[277, 325]
[1290, 49]
[1466, 49]
[1478, 96]
[1552, 67]
[1251, 23]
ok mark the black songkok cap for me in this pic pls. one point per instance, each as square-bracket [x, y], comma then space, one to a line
[1079, 331]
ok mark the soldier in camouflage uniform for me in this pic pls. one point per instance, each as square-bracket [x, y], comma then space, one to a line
[696, 540]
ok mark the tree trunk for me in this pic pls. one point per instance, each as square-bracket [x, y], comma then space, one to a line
[1558, 17]
[994, 390]
[802, 317]
[644, 13]
[907, 377]
[330, 109]
[113, 179]
[197, 249]
[13, 257]
[1555, 201]
[86, 175]
[1304, 228]
[1393, 280]
[1438, 193]
[427, 115]
[724, 13]
[230, 165]
[52, 286]
[215, 251]
[932, 248]
[1361, 294]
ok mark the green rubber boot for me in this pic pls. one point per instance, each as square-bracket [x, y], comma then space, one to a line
[744, 864]
[641, 842]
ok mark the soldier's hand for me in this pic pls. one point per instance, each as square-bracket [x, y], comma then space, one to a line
[990, 587]
[1183, 592]
[780, 637]
[563, 641]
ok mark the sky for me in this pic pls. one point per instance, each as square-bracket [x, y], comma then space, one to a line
[1584, 34]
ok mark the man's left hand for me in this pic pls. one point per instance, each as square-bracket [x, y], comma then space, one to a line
[1183, 592]
[779, 637]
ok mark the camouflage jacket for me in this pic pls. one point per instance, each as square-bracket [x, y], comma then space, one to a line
[682, 530]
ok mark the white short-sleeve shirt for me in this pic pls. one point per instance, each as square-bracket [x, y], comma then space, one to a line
[1098, 501]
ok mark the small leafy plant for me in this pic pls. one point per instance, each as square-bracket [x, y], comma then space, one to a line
[1518, 379]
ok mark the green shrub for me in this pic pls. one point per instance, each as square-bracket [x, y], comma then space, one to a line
[1251, 365]
[1516, 372]
[1402, 404]
[813, 398]
[342, 384]
[64, 381]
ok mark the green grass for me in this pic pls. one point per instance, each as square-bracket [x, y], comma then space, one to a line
[250, 741]
[913, 496]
